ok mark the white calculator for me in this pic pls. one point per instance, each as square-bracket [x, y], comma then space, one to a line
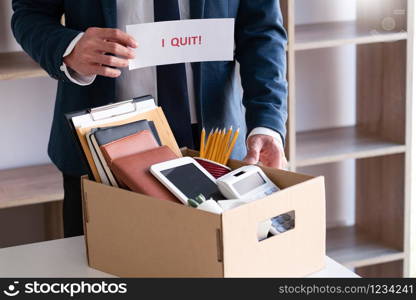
[248, 183]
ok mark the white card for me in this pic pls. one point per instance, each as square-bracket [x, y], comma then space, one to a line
[172, 42]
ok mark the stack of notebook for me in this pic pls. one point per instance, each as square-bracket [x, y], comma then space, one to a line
[121, 141]
[109, 143]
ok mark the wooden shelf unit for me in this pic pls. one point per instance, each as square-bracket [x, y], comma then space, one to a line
[338, 144]
[387, 270]
[375, 246]
[35, 185]
[353, 248]
[334, 34]
[30, 185]
[18, 65]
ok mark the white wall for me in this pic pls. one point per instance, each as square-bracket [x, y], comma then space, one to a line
[25, 111]
[314, 11]
[325, 98]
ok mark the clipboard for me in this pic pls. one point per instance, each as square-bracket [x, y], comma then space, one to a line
[114, 114]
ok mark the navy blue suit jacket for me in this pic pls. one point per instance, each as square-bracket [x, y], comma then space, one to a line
[260, 41]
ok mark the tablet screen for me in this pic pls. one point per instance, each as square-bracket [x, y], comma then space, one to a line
[192, 182]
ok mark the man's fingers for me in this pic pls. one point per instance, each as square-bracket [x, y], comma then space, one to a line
[274, 157]
[106, 71]
[278, 161]
[264, 149]
[251, 158]
[283, 165]
[88, 57]
[274, 160]
[119, 36]
[111, 61]
[116, 49]
[253, 151]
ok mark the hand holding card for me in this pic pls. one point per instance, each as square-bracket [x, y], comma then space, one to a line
[182, 41]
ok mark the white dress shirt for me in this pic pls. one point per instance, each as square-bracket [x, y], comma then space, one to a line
[143, 81]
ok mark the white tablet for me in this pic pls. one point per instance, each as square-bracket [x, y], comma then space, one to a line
[186, 178]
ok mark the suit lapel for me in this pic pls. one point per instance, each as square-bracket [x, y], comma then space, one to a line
[197, 10]
[109, 12]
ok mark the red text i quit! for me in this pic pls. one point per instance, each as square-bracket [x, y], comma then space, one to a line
[184, 41]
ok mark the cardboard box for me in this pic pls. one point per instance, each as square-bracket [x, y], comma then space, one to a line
[133, 235]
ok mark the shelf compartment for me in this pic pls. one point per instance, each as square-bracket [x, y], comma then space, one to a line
[18, 65]
[30, 185]
[386, 270]
[334, 34]
[353, 248]
[337, 144]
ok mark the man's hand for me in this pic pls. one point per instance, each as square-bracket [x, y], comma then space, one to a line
[265, 149]
[90, 55]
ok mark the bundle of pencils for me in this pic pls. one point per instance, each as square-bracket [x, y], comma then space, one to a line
[219, 144]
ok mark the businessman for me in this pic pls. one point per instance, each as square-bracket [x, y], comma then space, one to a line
[89, 56]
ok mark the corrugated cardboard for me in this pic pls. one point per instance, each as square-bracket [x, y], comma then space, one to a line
[133, 235]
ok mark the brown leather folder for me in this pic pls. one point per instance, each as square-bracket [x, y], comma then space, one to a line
[133, 171]
[135, 143]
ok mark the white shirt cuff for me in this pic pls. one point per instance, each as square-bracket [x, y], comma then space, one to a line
[269, 132]
[71, 74]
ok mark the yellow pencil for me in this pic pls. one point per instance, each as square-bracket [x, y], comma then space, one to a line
[208, 141]
[208, 144]
[226, 143]
[231, 147]
[223, 145]
[213, 143]
[214, 155]
[217, 146]
[202, 147]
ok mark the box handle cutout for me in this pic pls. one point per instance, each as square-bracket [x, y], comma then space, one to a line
[276, 226]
